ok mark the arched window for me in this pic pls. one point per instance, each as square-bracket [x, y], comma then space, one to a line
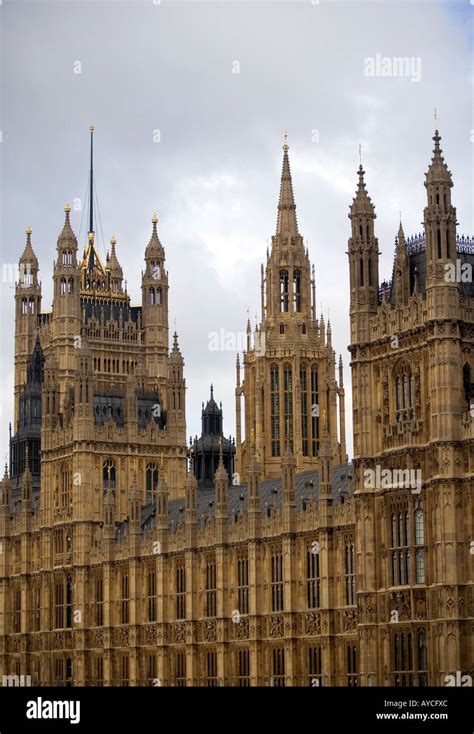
[282, 328]
[65, 486]
[69, 602]
[419, 546]
[404, 393]
[32, 305]
[275, 409]
[62, 286]
[296, 291]
[24, 305]
[288, 403]
[152, 295]
[70, 285]
[304, 410]
[314, 411]
[158, 296]
[151, 481]
[108, 473]
[439, 242]
[361, 271]
[284, 291]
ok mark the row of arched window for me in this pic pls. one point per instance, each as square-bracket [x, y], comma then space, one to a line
[109, 477]
[154, 295]
[114, 366]
[66, 285]
[407, 543]
[408, 668]
[28, 305]
[285, 291]
[281, 421]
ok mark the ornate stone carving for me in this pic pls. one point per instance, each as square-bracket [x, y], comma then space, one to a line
[313, 623]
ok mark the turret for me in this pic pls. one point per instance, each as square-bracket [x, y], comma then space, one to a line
[177, 388]
[221, 483]
[155, 306]
[191, 489]
[114, 269]
[440, 230]
[401, 270]
[363, 262]
[27, 308]
[253, 484]
[67, 316]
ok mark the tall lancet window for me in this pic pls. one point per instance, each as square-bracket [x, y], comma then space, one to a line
[304, 410]
[314, 412]
[288, 403]
[275, 409]
[284, 303]
[151, 481]
[296, 291]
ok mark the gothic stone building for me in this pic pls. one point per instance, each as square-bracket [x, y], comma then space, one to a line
[118, 569]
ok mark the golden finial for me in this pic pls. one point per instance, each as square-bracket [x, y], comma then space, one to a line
[113, 241]
[91, 236]
[67, 208]
[28, 230]
[285, 142]
[92, 128]
[154, 219]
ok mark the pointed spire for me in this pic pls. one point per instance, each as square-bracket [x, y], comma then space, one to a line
[67, 238]
[416, 284]
[113, 263]
[287, 225]
[175, 354]
[91, 183]
[361, 203]
[401, 235]
[26, 480]
[28, 255]
[322, 329]
[221, 483]
[154, 247]
[438, 171]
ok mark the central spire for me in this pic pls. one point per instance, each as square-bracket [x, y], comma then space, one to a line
[287, 226]
[91, 190]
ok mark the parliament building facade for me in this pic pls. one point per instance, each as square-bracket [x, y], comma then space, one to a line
[123, 564]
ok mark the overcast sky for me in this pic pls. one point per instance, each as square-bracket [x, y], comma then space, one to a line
[190, 102]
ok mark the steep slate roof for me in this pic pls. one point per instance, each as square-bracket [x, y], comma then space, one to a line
[342, 487]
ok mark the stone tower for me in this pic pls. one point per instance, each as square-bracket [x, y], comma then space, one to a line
[289, 365]
[411, 349]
